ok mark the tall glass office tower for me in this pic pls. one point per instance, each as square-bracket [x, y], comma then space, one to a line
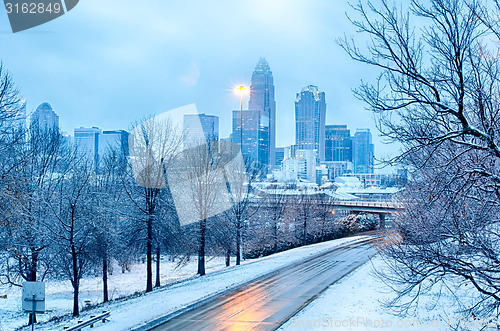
[363, 151]
[310, 118]
[262, 100]
[44, 118]
[255, 135]
[338, 146]
[201, 127]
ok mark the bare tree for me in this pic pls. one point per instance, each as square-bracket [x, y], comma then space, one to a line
[438, 98]
[274, 208]
[201, 188]
[73, 225]
[325, 216]
[242, 176]
[107, 196]
[12, 142]
[154, 144]
[10, 103]
[12, 130]
[304, 209]
[167, 227]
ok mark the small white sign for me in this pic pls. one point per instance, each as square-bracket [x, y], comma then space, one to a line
[34, 297]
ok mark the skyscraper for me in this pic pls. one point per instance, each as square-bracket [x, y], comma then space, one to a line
[201, 126]
[87, 144]
[262, 100]
[44, 118]
[116, 140]
[255, 134]
[279, 156]
[93, 144]
[363, 152]
[310, 117]
[338, 145]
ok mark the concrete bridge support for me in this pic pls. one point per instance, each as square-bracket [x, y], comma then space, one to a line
[381, 223]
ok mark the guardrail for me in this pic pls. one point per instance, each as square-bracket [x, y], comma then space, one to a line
[390, 205]
[90, 322]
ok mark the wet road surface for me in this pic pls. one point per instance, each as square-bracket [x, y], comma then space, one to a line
[266, 303]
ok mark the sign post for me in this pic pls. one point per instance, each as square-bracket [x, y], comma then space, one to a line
[33, 299]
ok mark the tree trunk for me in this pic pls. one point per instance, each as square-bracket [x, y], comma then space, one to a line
[228, 257]
[238, 242]
[201, 250]
[149, 244]
[304, 234]
[32, 278]
[275, 235]
[157, 283]
[105, 278]
[76, 282]
[76, 310]
[322, 236]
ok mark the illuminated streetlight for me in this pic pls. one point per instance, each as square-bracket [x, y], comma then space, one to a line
[241, 90]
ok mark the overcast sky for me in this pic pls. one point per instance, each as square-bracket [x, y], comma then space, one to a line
[108, 63]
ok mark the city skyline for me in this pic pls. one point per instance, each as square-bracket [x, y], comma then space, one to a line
[310, 117]
[194, 66]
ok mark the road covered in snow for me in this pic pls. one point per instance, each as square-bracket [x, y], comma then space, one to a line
[357, 303]
[266, 303]
[140, 310]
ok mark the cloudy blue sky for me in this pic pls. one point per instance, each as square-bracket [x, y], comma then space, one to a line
[108, 63]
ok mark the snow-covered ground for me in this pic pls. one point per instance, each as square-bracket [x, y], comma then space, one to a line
[356, 303]
[143, 308]
[60, 293]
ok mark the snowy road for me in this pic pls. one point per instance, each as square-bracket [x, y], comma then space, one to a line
[268, 302]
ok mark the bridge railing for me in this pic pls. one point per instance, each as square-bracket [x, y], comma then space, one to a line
[373, 204]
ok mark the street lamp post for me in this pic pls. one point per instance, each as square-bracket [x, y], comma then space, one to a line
[241, 91]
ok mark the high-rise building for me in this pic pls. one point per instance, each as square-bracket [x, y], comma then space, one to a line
[255, 134]
[310, 156]
[66, 142]
[310, 117]
[44, 118]
[262, 100]
[290, 151]
[339, 169]
[292, 170]
[338, 145]
[363, 151]
[279, 156]
[86, 142]
[94, 145]
[201, 127]
[300, 167]
[116, 140]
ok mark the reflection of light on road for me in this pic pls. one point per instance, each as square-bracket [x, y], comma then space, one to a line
[237, 313]
[267, 303]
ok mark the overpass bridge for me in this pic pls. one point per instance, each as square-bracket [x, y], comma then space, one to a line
[385, 207]
[333, 200]
[381, 208]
